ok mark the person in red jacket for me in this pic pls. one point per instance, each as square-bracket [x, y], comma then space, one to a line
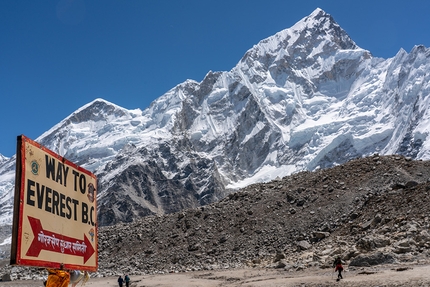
[337, 264]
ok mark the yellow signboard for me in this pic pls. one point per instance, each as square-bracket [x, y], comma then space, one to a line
[55, 211]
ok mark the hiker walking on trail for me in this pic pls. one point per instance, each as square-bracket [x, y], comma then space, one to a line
[337, 264]
[120, 281]
[127, 281]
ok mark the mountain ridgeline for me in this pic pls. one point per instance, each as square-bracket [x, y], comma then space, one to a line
[306, 98]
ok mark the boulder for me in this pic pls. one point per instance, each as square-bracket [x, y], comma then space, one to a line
[303, 245]
[320, 235]
[373, 259]
[370, 242]
[6, 277]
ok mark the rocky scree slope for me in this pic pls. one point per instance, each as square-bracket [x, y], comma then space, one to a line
[370, 211]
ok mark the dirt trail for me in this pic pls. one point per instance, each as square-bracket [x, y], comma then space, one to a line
[395, 275]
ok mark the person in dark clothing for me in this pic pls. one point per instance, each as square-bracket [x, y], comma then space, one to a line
[127, 281]
[120, 281]
[337, 264]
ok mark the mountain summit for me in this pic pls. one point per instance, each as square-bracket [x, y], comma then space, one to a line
[315, 34]
[305, 98]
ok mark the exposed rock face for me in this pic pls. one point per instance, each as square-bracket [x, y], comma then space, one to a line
[143, 189]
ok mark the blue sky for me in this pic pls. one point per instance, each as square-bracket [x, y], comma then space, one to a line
[58, 55]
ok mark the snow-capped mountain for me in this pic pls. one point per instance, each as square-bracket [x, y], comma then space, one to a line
[305, 98]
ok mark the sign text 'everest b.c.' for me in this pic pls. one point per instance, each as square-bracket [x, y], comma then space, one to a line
[52, 201]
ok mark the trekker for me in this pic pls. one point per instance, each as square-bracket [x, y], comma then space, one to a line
[338, 267]
[127, 280]
[58, 278]
[120, 280]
